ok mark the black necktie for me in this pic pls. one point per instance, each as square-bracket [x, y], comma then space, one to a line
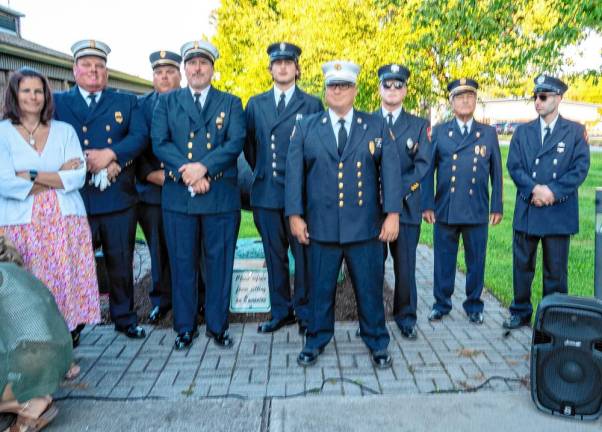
[197, 101]
[546, 137]
[390, 119]
[92, 97]
[342, 136]
[281, 104]
[465, 131]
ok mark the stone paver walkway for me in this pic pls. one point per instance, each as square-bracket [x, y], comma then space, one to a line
[449, 355]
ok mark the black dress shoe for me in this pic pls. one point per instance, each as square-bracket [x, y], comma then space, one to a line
[302, 328]
[222, 340]
[184, 340]
[156, 314]
[308, 357]
[476, 318]
[381, 359]
[435, 315]
[409, 332]
[515, 321]
[274, 324]
[133, 332]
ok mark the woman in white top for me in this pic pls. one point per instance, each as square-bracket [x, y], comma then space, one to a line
[41, 211]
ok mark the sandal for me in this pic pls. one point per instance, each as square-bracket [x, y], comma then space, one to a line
[26, 424]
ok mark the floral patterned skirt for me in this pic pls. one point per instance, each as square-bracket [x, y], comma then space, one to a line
[58, 250]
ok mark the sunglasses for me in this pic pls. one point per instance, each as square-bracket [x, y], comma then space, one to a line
[542, 96]
[397, 84]
[340, 86]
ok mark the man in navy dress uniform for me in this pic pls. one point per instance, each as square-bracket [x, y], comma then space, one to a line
[110, 128]
[150, 176]
[413, 143]
[548, 161]
[341, 165]
[270, 120]
[198, 133]
[466, 156]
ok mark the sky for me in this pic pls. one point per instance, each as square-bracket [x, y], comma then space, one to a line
[134, 29]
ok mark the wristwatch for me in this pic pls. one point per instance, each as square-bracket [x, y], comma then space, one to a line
[32, 175]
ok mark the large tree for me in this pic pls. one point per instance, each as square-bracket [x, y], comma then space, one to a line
[498, 42]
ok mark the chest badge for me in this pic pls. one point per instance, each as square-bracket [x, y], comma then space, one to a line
[298, 117]
[560, 147]
[483, 150]
[410, 143]
[478, 134]
[371, 147]
[477, 150]
[219, 122]
[118, 117]
[450, 134]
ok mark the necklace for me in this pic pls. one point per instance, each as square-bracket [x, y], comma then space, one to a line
[32, 140]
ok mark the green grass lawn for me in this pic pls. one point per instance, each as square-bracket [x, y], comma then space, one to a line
[498, 271]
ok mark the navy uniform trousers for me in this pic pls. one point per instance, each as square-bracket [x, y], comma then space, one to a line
[445, 246]
[218, 233]
[561, 162]
[414, 148]
[276, 237]
[150, 219]
[266, 148]
[465, 166]
[365, 262]
[555, 268]
[116, 123]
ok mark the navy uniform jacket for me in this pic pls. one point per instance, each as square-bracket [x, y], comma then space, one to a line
[116, 123]
[215, 138]
[268, 137]
[415, 152]
[340, 197]
[464, 167]
[562, 165]
[147, 162]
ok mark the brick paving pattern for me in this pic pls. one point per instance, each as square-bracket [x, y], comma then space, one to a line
[449, 355]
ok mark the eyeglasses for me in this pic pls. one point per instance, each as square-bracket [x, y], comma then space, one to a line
[340, 86]
[542, 96]
[397, 84]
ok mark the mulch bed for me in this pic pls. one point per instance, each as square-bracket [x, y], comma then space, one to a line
[345, 308]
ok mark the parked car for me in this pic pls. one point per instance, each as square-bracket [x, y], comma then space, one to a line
[510, 127]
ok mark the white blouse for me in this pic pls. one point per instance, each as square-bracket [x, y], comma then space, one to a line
[17, 155]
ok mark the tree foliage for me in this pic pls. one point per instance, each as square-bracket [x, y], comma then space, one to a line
[498, 42]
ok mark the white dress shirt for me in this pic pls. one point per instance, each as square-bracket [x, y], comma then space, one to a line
[395, 114]
[334, 121]
[461, 125]
[203, 96]
[288, 94]
[86, 93]
[543, 125]
[17, 155]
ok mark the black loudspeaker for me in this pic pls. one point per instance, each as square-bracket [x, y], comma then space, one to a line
[566, 357]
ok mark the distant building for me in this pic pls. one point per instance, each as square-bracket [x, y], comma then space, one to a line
[16, 52]
[523, 110]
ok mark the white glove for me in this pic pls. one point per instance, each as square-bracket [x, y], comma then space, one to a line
[104, 179]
